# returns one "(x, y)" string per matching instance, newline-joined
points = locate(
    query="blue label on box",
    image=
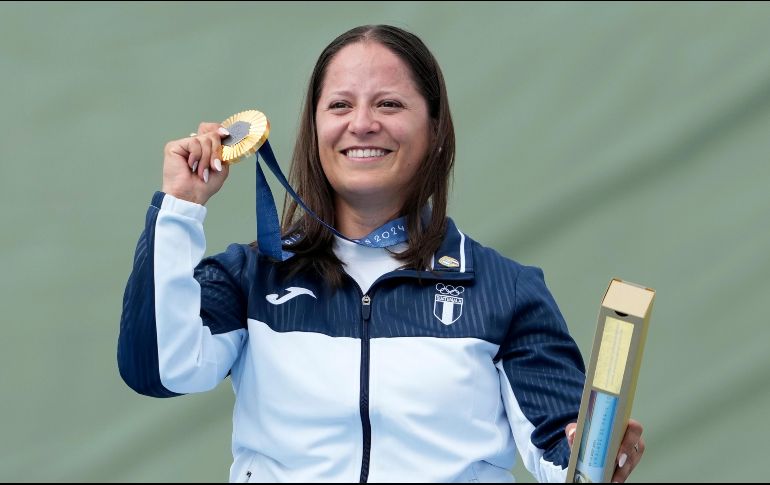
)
(596, 438)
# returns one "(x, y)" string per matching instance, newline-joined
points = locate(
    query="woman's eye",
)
(390, 104)
(338, 105)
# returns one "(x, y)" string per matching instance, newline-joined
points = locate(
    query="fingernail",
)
(223, 131)
(206, 180)
(195, 166)
(217, 165)
(571, 433)
(622, 460)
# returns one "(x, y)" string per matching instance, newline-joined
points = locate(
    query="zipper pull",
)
(366, 307)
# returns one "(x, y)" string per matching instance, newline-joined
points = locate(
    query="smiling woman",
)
(373, 133)
(394, 349)
(375, 88)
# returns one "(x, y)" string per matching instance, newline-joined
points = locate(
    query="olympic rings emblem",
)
(449, 289)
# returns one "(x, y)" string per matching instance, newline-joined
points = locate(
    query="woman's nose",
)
(363, 122)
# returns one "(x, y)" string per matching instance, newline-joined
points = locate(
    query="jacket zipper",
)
(363, 404)
(366, 312)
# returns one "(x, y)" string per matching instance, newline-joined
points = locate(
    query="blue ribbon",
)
(269, 230)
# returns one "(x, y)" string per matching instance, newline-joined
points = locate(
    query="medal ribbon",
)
(269, 231)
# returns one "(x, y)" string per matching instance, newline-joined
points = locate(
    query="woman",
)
(431, 359)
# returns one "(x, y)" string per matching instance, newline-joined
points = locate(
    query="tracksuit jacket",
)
(435, 376)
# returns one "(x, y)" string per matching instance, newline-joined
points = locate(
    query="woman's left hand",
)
(631, 449)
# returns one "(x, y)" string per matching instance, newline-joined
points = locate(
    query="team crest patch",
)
(448, 306)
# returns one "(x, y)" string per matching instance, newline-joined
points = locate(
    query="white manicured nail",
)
(622, 460)
(206, 180)
(217, 165)
(571, 433)
(195, 166)
(223, 131)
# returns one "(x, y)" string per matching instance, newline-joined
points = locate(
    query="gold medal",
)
(248, 131)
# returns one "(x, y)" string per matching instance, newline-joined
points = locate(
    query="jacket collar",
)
(455, 254)
(452, 262)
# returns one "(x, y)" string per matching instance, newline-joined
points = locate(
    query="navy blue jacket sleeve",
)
(222, 307)
(137, 341)
(545, 376)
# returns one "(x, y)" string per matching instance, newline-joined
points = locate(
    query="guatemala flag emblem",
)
(448, 306)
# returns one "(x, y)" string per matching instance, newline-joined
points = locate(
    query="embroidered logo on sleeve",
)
(291, 292)
(448, 306)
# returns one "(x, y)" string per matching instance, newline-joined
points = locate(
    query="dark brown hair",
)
(313, 248)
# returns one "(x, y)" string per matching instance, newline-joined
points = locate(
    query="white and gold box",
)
(610, 381)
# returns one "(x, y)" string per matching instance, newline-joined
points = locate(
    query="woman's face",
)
(373, 125)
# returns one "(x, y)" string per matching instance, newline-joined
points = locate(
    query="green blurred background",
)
(595, 140)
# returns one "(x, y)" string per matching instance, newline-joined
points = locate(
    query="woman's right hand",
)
(192, 166)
